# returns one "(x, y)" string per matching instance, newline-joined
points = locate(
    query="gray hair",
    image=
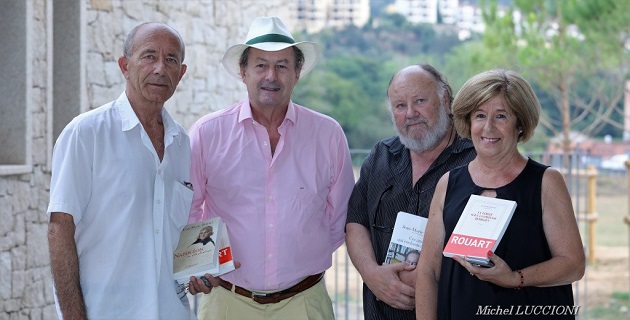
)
(443, 87)
(129, 39)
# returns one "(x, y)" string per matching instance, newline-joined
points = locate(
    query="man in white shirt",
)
(119, 196)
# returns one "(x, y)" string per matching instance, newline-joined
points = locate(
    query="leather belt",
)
(274, 297)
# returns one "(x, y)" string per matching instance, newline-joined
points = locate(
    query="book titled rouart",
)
(204, 247)
(407, 239)
(480, 228)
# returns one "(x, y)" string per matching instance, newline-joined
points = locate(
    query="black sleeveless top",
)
(462, 296)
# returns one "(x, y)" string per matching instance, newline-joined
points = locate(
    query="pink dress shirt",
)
(285, 213)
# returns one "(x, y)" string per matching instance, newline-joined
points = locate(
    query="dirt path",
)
(608, 275)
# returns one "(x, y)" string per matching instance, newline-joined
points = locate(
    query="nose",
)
(271, 74)
(411, 111)
(159, 66)
(489, 125)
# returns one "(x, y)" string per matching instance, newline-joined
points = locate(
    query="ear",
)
(297, 75)
(182, 71)
(242, 74)
(123, 65)
(446, 101)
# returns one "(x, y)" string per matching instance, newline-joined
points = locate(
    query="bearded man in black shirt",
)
(400, 174)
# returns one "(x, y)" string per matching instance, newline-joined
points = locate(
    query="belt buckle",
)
(259, 295)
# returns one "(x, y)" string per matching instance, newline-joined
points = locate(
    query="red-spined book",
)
(204, 247)
(480, 228)
(226, 261)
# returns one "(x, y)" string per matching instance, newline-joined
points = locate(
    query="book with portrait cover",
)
(204, 247)
(480, 228)
(407, 237)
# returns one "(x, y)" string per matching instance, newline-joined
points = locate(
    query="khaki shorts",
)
(311, 304)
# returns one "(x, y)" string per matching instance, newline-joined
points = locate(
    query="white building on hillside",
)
(448, 11)
(466, 17)
(418, 11)
(315, 15)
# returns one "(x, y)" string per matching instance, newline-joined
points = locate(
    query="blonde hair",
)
(515, 91)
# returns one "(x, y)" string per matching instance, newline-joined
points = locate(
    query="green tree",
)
(562, 51)
(351, 89)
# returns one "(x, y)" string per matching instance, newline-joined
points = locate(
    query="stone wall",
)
(208, 27)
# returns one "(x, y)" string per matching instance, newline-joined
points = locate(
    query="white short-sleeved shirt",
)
(128, 207)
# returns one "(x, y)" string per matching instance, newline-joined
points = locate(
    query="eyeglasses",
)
(415, 206)
(378, 211)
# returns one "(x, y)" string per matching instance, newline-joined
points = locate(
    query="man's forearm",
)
(359, 244)
(64, 264)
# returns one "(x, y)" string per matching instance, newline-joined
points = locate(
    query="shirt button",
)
(157, 231)
(265, 142)
(269, 197)
(269, 256)
(270, 226)
(158, 201)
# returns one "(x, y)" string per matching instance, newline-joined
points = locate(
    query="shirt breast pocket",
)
(181, 202)
(309, 203)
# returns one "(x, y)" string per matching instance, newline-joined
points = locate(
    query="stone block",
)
(33, 295)
(5, 275)
(49, 290)
(7, 218)
(96, 68)
(21, 195)
(113, 75)
(39, 11)
(100, 40)
(35, 313)
(39, 120)
(49, 312)
(18, 257)
(37, 240)
(138, 10)
(40, 72)
(12, 305)
(101, 5)
(18, 283)
(105, 94)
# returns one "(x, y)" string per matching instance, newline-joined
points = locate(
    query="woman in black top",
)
(540, 254)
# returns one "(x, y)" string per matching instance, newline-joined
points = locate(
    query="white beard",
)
(431, 139)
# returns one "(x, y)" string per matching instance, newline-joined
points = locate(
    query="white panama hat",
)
(269, 34)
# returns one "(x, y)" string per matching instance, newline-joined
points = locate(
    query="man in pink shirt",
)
(280, 176)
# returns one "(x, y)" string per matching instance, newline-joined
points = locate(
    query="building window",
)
(15, 88)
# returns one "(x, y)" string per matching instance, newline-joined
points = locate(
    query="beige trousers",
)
(311, 304)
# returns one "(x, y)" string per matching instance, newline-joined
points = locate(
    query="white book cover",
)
(197, 251)
(480, 227)
(407, 237)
